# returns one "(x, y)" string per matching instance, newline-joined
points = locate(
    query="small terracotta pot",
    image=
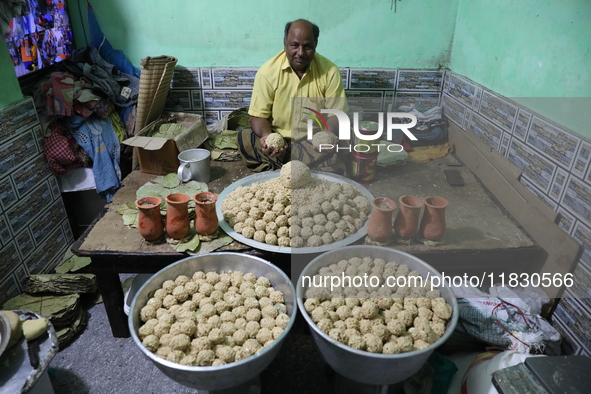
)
(406, 224)
(177, 215)
(433, 224)
(206, 219)
(379, 225)
(149, 221)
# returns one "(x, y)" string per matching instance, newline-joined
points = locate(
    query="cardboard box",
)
(160, 155)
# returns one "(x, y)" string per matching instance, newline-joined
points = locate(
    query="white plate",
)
(268, 175)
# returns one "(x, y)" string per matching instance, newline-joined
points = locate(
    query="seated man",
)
(280, 95)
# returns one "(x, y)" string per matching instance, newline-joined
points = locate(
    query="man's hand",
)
(269, 151)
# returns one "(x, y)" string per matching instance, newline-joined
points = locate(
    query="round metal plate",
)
(268, 175)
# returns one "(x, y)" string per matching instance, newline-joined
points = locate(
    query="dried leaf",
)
(170, 181)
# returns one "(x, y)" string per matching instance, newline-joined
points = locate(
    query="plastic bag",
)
(508, 318)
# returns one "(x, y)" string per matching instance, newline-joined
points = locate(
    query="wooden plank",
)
(563, 250)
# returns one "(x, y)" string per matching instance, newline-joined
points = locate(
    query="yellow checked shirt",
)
(279, 95)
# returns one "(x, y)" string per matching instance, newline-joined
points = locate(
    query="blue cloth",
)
(98, 139)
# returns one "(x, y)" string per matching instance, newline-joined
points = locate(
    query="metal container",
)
(362, 366)
(228, 375)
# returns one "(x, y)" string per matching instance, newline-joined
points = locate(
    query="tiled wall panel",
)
(214, 92)
(555, 165)
(34, 228)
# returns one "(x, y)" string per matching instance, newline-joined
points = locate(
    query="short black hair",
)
(315, 29)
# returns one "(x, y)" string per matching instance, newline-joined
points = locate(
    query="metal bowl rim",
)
(430, 348)
(216, 368)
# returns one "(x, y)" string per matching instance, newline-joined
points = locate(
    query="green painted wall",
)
(246, 33)
(537, 52)
(10, 90)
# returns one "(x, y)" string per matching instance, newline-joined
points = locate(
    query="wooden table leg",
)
(112, 292)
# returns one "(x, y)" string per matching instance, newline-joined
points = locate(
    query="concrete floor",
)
(96, 362)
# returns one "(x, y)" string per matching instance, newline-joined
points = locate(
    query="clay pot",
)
(379, 225)
(177, 215)
(432, 226)
(406, 224)
(149, 221)
(206, 219)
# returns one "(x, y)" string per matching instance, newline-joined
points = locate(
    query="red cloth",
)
(62, 153)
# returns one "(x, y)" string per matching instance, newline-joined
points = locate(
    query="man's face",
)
(300, 46)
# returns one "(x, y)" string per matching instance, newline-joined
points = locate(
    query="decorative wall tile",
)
(178, 101)
(55, 187)
(25, 243)
(566, 220)
(498, 110)
(48, 254)
(581, 164)
(67, 230)
(581, 289)
(521, 126)
(28, 176)
(577, 199)
(420, 80)
(8, 194)
(17, 151)
(569, 345)
(196, 100)
(186, 77)
(5, 236)
(369, 101)
(15, 119)
(477, 98)
(582, 234)
(233, 78)
(558, 184)
(218, 99)
(29, 207)
(206, 82)
(211, 116)
(345, 77)
(461, 90)
(538, 193)
(372, 79)
(41, 228)
(21, 275)
(39, 137)
(570, 312)
(487, 132)
(505, 143)
(10, 289)
(553, 142)
(9, 259)
(467, 119)
(425, 99)
(533, 166)
(453, 110)
(389, 99)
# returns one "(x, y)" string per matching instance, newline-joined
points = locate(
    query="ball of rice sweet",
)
(295, 174)
(321, 138)
(275, 141)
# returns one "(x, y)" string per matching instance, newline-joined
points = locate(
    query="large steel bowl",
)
(228, 375)
(362, 366)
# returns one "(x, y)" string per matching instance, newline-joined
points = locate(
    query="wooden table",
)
(480, 235)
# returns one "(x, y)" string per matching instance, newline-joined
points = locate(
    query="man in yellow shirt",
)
(296, 79)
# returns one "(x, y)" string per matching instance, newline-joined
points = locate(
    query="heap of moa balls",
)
(296, 209)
